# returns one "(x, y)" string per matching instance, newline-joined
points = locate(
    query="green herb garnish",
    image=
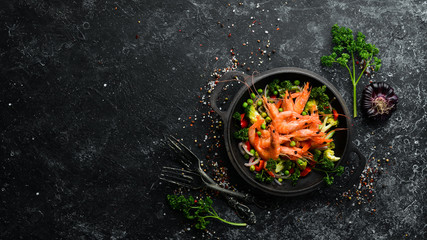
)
(327, 166)
(198, 210)
(242, 134)
(263, 177)
(347, 47)
(318, 93)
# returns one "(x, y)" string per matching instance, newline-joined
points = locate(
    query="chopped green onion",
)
(296, 82)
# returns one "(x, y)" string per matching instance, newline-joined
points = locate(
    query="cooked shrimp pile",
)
(290, 133)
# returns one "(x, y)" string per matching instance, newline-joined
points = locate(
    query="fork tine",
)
(176, 175)
(177, 147)
(181, 171)
(178, 183)
(184, 149)
(179, 176)
(182, 158)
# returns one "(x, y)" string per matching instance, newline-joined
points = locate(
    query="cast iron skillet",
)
(342, 138)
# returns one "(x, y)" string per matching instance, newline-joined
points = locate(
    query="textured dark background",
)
(88, 88)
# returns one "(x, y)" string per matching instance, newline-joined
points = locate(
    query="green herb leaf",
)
(197, 210)
(242, 134)
(346, 47)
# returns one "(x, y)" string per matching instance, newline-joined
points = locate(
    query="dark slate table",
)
(89, 88)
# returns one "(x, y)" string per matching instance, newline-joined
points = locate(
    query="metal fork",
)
(186, 155)
(190, 179)
(191, 161)
(182, 177)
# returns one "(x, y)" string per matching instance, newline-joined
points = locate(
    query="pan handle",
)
(356, 173)
(217, 90)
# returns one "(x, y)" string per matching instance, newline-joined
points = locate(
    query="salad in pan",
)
(286, 131)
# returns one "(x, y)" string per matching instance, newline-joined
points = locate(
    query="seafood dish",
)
(286, 131)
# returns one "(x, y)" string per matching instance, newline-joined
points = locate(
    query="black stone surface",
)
(88, 88)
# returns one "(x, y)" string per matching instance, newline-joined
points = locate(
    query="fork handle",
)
(245, 197)
(243, 211)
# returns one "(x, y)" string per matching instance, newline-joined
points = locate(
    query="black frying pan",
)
(342, 139)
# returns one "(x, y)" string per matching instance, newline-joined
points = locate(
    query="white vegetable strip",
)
(277, 181)
(252, 162)
(242, 146)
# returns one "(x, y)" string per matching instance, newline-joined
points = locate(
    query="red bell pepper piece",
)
(270, 173)
(273, 96)
(305, 171)
(291, 171)
(335, 113)
(248, 145)
(260, 166)
(243, 121)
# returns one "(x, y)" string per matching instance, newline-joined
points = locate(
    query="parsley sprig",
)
(328, 167)
(198, 210)
(347, 47)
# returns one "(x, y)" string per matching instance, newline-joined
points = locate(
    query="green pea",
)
(263, 114)
(245, 104)
(253, 95)
(259, 103)
(289, 167)
(304, 113)
(286, 172)
(296, 82)
(252, 168)
(292, 144)
(260, 90)
(275, 92)
(252, 151)
(256, 154)
(247, 156)
(250, 101)
(263, 126)
(259, 133)
(268, 119)
(280, 180)
(280, 109)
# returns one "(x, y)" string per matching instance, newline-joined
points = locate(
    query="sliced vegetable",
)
(243, 121)
(335, 114)
(379, 101)
(305, 172)
(260, 166)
